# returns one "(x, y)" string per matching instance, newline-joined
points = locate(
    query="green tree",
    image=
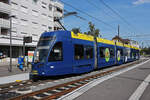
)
(92, 31)
(97, 32)
(92, 28)
(145, 51)
(85, 33)
(76, 30)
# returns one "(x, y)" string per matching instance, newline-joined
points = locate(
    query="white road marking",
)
(74, 94)
(140, 90)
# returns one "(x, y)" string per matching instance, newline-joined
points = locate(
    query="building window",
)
(24, 9)
(4, 31)
(78, 52)
(50, 7)
(35, 1)
(44, 5)
(44, 27)
(88, 52)
(35, 35)
(35, 13)
(44, 15)
(23, 33)
(14, 20)
(14, 5)
(35, 25)
(50, 18)
(24, 22)
(5, 1)
(14, 33)
(56, 53)
(14, 28)
(50, 28)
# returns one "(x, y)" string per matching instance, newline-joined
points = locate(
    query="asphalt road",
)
(128, 85)
(120, 87)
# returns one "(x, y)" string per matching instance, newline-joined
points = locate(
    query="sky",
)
(133, 18)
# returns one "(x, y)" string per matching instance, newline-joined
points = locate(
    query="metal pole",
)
(10, 67)
(118, 30)
(95, 50)
(23, 48)
(23, 51)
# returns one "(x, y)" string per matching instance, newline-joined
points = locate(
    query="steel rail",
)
(22, 84)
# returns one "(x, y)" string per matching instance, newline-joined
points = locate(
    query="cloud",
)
(138, 2)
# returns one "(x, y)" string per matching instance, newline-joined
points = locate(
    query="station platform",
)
(15, 74)
(131, 83)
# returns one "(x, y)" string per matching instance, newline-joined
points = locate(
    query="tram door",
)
(83, 58)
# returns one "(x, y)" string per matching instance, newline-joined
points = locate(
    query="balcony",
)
(58, 10)
(5, 8)
(57, 3)
(4, 23)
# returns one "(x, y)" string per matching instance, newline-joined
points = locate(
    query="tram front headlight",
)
(37, 55)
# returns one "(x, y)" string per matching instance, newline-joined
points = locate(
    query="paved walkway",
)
(16, 74)
(132, 83)
(13, 78)
(4, 65)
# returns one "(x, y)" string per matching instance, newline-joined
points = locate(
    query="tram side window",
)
(89, 52)
(112, 54)
(121, 52)
(134, 54)
(56, 53)
(78, 52)
(102, 52)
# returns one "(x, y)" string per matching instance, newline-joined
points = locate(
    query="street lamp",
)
(10, 49)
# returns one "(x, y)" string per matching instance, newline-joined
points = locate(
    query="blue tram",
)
(64, 52)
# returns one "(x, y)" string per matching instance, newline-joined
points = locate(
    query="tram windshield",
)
(42, 49)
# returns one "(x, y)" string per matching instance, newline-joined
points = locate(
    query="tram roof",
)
(81, 36)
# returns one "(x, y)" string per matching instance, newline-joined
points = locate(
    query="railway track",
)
(21, 84)
(59, 90)
(14, 85)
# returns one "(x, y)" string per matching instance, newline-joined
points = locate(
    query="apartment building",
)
(32, 17)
